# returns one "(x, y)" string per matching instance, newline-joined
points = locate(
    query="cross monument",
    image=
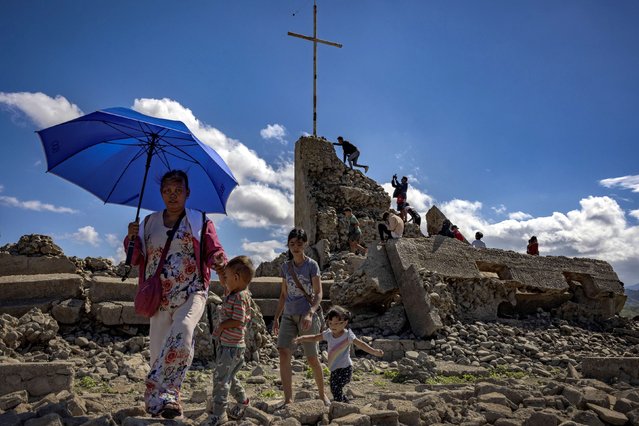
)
(315, 40)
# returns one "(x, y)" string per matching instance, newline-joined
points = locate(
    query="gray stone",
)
(381, 417)
(609, 368)
(306, 411)
(407, 412)
(492, 412)
(262, 417)
(68, 311)
(353, 419)
(36, 378)
(30, 265)
(49, 420)
(542, 418)
(607, 415)
(13, 399)
(341, 409)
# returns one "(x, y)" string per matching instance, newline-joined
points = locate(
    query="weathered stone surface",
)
(44, 286)
(37, 378)
(34, 245)
(373, 284)
(608, 416)
(29, 265)
(353, 420)
(307, 412)
(493, 412)
(68, 311)
(407, 412)
(13, 399)
(109, 289)
(381, 417)
(434, 220)
(609, 368)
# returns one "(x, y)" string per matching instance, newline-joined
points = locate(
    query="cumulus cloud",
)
(265, 194)
(417, 199)
(113, 240)
(625, 182)
(499, 210)
(263, 251)
(87, 234)
(274, 131)
(634, 213)
(519, 216)
(42, 109)
(34, 205)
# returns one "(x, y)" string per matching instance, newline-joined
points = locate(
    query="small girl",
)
(339, 340)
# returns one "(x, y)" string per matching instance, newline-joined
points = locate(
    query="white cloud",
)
(34, 205)
(263, 251)
(634, 213)
(417, 199)
(499, 210)
(87, 234)
(264, 197)
(1, 188)
(625, 182)
(274, 131)
(257, 205)
(42, 109)
(37, 163)
(113, 240)
(519, 216)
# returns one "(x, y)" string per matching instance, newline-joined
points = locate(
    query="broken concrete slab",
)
(32, 265)
(611, 368)
(37, 378)
(51, 286)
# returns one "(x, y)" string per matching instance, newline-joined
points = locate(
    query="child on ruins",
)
(233, 318)
(339, 340)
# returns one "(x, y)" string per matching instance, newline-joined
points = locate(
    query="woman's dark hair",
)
(296, 233)
(175, 176)
(532, 239)
(338, 312)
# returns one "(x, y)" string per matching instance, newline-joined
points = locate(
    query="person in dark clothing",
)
(351, 153)
(446, 231)
(400, 188)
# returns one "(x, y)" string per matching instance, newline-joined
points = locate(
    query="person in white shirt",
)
(478, 243)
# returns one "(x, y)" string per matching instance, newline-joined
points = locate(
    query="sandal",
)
(237, 412)
(171, 410)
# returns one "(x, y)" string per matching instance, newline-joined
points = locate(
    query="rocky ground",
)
(509, 372)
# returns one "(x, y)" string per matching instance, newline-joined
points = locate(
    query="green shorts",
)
(355, 237)
(290, 328)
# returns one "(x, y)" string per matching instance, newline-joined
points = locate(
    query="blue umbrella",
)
(111, 152)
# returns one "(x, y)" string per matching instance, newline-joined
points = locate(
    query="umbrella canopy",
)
(111, 152)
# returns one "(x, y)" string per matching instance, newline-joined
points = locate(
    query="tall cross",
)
(315, 40)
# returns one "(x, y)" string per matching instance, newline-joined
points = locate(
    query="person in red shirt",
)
(533, 246)
(458, 234)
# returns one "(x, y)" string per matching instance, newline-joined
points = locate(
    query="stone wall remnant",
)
(324, 186)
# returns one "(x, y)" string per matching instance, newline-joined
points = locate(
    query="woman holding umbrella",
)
(184, 287)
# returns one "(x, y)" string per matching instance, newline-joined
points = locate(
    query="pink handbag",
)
(149, 293)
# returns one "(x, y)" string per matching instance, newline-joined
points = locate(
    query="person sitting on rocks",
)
(458, 235)
(339, 338)
(351, 153)
(533, 246)
(393, 227)
(478, 243)
(354, 232)
(300, 297)
(445, 231)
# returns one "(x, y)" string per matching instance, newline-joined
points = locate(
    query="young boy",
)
(234, 315)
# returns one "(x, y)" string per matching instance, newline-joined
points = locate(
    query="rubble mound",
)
(34, 245)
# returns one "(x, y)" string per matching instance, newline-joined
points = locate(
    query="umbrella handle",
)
(129, 256)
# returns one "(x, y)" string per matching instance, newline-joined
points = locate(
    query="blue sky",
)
(515, 118)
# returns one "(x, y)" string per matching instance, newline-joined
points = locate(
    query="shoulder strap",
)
(202, 247)
(299, 285)
(168, 243)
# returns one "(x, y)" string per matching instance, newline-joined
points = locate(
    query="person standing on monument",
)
(299, 303)
(533, 246)
(354, 232)
(351, 153)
